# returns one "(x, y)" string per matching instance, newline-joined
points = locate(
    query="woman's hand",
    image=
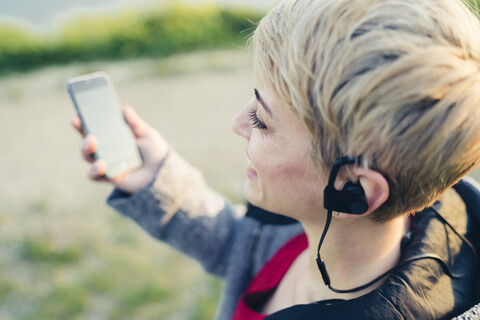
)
(153, 149)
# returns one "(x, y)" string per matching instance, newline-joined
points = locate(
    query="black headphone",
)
(351, 199)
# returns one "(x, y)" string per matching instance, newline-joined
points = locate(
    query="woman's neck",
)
(355, 252)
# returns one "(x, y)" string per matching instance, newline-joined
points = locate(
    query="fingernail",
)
(94, 168)
(85, 144)
(100, 169)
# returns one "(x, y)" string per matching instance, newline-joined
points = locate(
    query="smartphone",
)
(98, 106)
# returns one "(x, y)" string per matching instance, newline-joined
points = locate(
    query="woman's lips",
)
(251, 173)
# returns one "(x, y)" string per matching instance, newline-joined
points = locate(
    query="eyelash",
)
(256, 123)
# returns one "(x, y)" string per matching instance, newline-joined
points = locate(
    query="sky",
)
(45, 14)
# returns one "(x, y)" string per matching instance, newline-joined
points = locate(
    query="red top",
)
(266, 281)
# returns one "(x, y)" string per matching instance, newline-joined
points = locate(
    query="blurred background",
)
(184, 67)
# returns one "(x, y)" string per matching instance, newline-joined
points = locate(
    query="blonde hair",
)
(396, 82)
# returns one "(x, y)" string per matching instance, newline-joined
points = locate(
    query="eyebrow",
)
(262, 102)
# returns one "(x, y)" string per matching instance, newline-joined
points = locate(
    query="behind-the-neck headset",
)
(351, 199)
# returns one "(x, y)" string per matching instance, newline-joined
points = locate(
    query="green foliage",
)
(130, 34)
(43, 250)
(66, 302)
(19, 48)
(473, 3)
(133, 299)
(6, 287)
(206, 305)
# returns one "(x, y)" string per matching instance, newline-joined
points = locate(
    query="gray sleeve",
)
(180, 209)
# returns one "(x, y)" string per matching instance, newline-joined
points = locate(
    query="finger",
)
(139, 127)
(88, 147)
(97, 171)
(77, 124)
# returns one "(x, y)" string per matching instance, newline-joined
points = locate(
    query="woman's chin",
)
(253, 193)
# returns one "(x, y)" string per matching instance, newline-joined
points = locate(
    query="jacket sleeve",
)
(179, 208)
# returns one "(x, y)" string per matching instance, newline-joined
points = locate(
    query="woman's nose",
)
(241, 122)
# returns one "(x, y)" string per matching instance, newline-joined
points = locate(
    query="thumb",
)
(136, 123)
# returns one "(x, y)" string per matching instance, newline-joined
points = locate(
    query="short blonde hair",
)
(396, 82)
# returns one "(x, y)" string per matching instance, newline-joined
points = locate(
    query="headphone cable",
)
(326, 278)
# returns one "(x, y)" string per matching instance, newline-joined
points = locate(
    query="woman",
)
(373, 101)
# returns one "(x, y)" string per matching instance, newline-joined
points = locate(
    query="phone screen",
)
(101, 115)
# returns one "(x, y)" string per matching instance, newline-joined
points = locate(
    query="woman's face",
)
(281, 176)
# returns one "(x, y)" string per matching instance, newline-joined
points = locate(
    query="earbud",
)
(351, 199)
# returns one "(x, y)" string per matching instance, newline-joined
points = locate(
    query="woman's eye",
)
(256, 123)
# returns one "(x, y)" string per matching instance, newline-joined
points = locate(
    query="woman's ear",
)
(375, 187)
